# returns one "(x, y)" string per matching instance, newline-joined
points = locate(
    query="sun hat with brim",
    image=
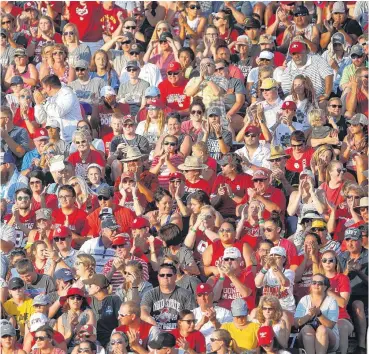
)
(276, 152)
(71, 292)
(239, 308)
(230, 159)
(363, 203)
(192, 163)
(132, 153)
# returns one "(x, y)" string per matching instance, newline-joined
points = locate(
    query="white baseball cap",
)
(232, 252)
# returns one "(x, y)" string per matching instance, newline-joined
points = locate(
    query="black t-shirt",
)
(349, 26)
(342, 127)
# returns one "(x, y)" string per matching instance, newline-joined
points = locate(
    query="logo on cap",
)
(294, 45)
(58, 229)
(263, 334)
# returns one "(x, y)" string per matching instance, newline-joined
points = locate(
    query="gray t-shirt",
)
(213, 143)
(82, 52)
(185, 255)
(88, 92)
(43, 285)
(132, 94)
(189, 283)
(140, 141)
(7, 57)
(164, 308)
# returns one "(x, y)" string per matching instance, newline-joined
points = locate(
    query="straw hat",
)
(192, 163)
(277, 152)
(132, 153)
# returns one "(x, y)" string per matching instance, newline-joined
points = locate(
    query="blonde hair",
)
(82, 134)
(61, 47)
(155, 36)
(84, 187)
(274, 302)
(75, 30)
(52, 31)
(201, 146)
(321, 269)
(315, 117)
(161, 122)
(88, 261)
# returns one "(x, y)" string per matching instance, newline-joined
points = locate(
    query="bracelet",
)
(232, 196)
(221, 278)
(193, 229)
(219, 138)
(135, 198)
(263, 271)
(134, 287)
(261, 221)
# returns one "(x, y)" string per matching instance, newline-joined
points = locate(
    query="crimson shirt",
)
(201, 184)
(340, 283)
(20, 122)
(29, 221)
(76, 220)
(109, 21)
(294, 165)
(81, 166)
(143, 332)
(174, 96)
(105, 115)
(195, 339)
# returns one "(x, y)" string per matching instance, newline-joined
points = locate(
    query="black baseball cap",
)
(165, 35)
(163, 340)
(15, 283)
(251, 22)
(301, 10)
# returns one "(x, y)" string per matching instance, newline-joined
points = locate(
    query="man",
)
(354, 261)
(327, 244)
(19, 305)
(86, 89)
(233, 281)
(69, 215)
(36, 284)
(172, 89)
(209, 316)
(61, 105)
(101, 247)
(312, 66)
(32, 159)
(13, 139)
(11, 179)
(116, 125)
(166, 341)
(149, 72)
(105, 307)
(22, 218)
(61, 171)
(161, 305)
(62, 238)
(132, 91)
(252, 30)
(272, 103)
(139, 332)
(254, 153)
(122, 215)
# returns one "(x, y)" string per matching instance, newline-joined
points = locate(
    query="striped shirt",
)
(316, 68)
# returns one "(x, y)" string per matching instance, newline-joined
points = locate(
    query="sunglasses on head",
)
(193, 7)
(171, 73)
(102, 197)
(328, 260)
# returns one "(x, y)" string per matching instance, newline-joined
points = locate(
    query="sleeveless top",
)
(65, 76)
(26, 75)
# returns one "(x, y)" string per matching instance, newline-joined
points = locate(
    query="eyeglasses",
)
(226, 230)
(353, 197)
(130, 27)
(81, 142)
(70, 33)
(41, 338)
(335, 105)
(269, 229)
(259, 180)
(6, 22)
(219, 69)
(26, 97)
(171, 144)
(58, 53)
(188, 321)
(269, 89)
(328, 260)
(268, 308)
(193, 7)
(128, 125)
(318, 229)
(117, 341)
(317, 282)
(34, 182)
(102, 197)
(165, 275)
(171, 73)
(25, 198)
(197, 112)
(114, 247)
(80, 69)
(76, 297)
(132, 70)
(341, 170)
(59, 239)
(355, 56)
(65, 197)
(296, 146)
(175, 181)
(229, 259)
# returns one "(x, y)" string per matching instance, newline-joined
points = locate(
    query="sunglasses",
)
(217, 18)
(279, 159)
(3, 36)
(6, 22)
(171, 144)
(118, 341)
(26, 97)
(264, 59)
(134, 53)
(171, 73)
(123, 314)
(268, 308)
(219, 69)
(41, 338)
(70, 33)
(76, 297)
(85, 335)
(128, 125)
(328, 260)
(161, 42)
(335, 105)
(251, 135)
(175, 181)
(317, 282)
(295, 146)
(300, 15)
(114, 247)
(318, 229)
(34, 182)
(83, 350)
(130, 27)
(81, 142)
(165, 275)
(355, 56)
(58, 53)
(364, 76)
(193, 7)
(102, 197)
(229, 259)
(259, 180)
(269, 89)
(80, 69)
(341, 170)
(188, 321)
(20, 198)
(132, 70)
(226, 230)
(197, 112)
(59, 239)
(269, 229)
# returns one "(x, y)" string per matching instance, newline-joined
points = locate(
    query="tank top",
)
(218, 251)
(25, 75)
(333, 195)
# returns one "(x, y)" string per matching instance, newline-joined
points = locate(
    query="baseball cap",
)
(40, 134)
(243, 40)
(357, 119)
(152, 91)
(7, 329)
(43, 213)
(174, 66)
(319, 223)
(140, 223)
(289, 105)
(30, 5)
(239, 308)
(266, 54)
(338, 37)
(163, 340)
(91, 165)
(301, 10)
(64, 274)
(52, 123)
(90, 329)
(15, 283)
(109, 223)
(155, 102)
(353, 233)
(104, 191)
(251, 22)
(278, 250)
(253, 129)
(21, 52)
(41, 300)
(297, 47)
(307, 172)
(357, 49)
(232, 252)
(81, 64)
(265, 335)
(260, 174)
(97, 279)
(176, 175)
(6, 157)
(137, 48)
(132, 64)
(214, 111)
(203, 288)
(122, 239)
(266, 39)
(165, 35)
(62, 232)
(106, 91)
(37, 320)
(363, 203)
(16, 80)
(128, 117)
(268, 83)
(338, 7)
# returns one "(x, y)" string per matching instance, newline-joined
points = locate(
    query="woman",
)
(44, 340)
(165, 213)
(46, 55)
(303, 94)
(23, 68)
(76, 313)
(24, 116)
(317, 315)
(264, 72)
(186, 57)
(154, 124)
(188, 338)
(340, 290)
(191, 24)
(134, 286)
(268, 342)
(45, 33)
(84, 154)
(223, 23)
(8, 340)
(100, 67)
(6, 51)
(95, 179)
(355, 142)
(118, 343)
(193, 126)
(76, 49)
(59, 65)
(85, 200)
(167, 161)
(84, 267)
(37, 184)
(174, 128)
(44, 227)
(221, 342)
(269, 313)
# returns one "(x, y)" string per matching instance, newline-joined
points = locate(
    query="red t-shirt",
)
(294, 165)
(218, 251)
(109, 21)
(230, 292)
(81, 166)
(200, 185)
(334, 196)
(279, 59)
(107, 141)
(201, 243)
(230, 37)
(105, 115)
(251, 235)
(195, 339)
(174, 96)
(19, 121)
(76, 220)
(340, 283)
(51, 202)
(87, 17)
(143, 332)
(57, 6)
(236, 73)
(16, 10)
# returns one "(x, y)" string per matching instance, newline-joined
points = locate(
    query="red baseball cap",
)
(289, 105)
(253, 129)
(174, 66)
(203, 288)
(127, 175)
(90, 329)
(297, 47)
(62, 232)
(156, 102)
(74, 291)
(260, 174)
(40, 134)
(121, 239)
(176, 175)
(265, 335)
(140, 223)
(30, 5)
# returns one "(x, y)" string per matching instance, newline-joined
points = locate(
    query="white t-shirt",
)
(282, 134)
(152, 134)
(303, 108)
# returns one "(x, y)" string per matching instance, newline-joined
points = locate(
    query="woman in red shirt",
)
(222, 21)
(300, 153)
(188, 339)
(340, 290)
